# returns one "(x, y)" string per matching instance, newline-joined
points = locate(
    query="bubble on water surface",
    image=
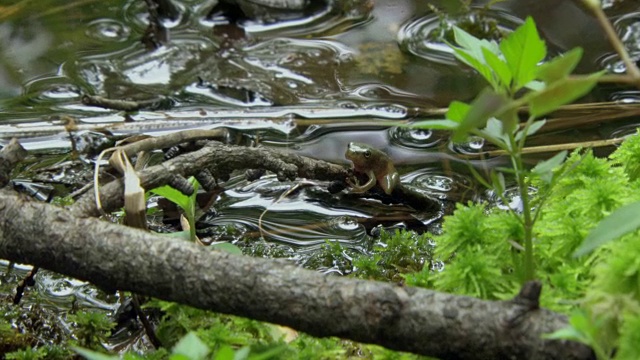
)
(108, 30)
(473, 145)
(417, 138)
(443, 185)
(61, 92)
(346, 223)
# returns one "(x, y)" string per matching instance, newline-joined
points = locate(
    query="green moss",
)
(628, 156)
(395, 254)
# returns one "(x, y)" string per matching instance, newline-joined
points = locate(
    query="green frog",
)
(376, 164)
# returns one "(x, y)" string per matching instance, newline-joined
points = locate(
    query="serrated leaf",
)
(561, 92)
(457, 111)
(560, 67)
(499, 67)
(471, 52)
(488, 104)
(479, 65)
(435, 124)
(624, 220)
(523, 49)
(532, 129)
(191, 346)
(544, 169)
(494, 128)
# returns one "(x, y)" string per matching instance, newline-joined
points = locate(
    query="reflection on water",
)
(308, 84)
(426, 36)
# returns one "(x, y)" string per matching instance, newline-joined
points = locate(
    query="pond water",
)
(309, 85)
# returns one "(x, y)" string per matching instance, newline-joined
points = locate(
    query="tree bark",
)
(401, 318)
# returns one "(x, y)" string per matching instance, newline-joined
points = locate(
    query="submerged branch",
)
(402, 318)
(220, 160)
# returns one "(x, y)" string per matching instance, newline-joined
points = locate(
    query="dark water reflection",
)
(310, 85)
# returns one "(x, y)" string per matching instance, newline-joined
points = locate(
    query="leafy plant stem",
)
(523, 187)
(191, 218)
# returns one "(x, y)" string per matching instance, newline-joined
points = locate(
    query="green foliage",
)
(621, 222)
(516, 80)
(625, 219)
(332, 255)
(476, 243)
(473, 275)
(628, 348)
(190, 347)
(26, 354)
(396, 253)
(186, 202)
(583, 329)
(628, 156)
(621, 273)
(92, 327)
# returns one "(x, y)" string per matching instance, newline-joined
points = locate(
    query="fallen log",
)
(410, 319)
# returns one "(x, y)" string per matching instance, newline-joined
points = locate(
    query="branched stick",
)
(220, 160)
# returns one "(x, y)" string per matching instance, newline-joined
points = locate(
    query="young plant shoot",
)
(518, 78)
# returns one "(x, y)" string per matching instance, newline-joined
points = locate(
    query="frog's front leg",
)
(357, 188)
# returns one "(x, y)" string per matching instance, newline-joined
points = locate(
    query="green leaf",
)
(560, 67)
(494, 128)
(227, 247)
(510, 120)
(457, 111)
(499, 67)
(268, 353)
(535, 85)
(173, 195)
(580, 329)
(561, 92)
(435, 124)
(93, 355)
(224, 353)
(471, 52)
(242, 353)
(532, 129)
(469, 59)
(191, 346)
(488, 104)
(523, 49)
(495, 131)
(544, 169)
(473, 45)
(568, 333)
(179, 357)
(624, 220)
(182, 235)
(497, 182)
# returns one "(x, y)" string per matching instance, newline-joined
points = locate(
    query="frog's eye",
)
(367, 153)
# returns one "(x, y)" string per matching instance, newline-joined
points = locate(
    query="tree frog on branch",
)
(375, 164)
